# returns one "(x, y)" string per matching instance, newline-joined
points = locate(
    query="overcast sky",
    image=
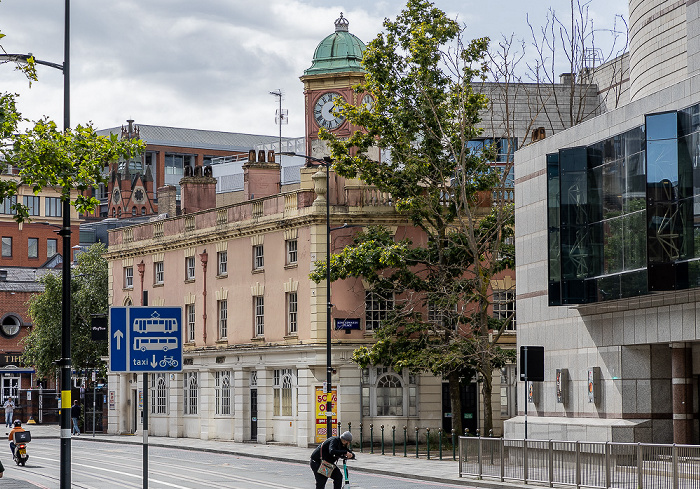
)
(210, 64)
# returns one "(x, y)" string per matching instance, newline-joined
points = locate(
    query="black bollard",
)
(361, 444)
(440, 442)
(454, 450)
(427, 439)
(371, 438)
(393, 440)
(416, 441)
(382, 439)
(405, 441)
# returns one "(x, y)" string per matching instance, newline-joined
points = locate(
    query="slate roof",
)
(197, 138)
(24, 279)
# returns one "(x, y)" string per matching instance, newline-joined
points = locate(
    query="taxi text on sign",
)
(145, 339)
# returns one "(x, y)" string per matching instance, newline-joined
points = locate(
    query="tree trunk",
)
(455, 403)
(487, 391)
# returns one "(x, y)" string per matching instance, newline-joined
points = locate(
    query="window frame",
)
(292, 310)
(191, 320)
(258, 257)
(222, 263)
(158, 273)
(223, 393)
(222, 318)
(284, 388)
(292, 251)
(190, 268)
(259, 316)
(503, 308)
(370, 379)
(159, 393)
(6, 247)
(53, 207)
(128, 277)
(375, 315)
(55, 247)
(191, 393)
(36, 247)
(33, 204)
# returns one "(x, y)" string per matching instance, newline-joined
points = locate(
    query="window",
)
(10, 387)
(158, 272)
(259, 312)
(386, 393)
(222, 306)
(32, 202)
(6, 246)
(134, 211)
(6, 206)
(128, 277)
(441, 318)
(222, 384)
(52, 207)
(189, 268)
(159, 394)
(189, 311)
(283, 392)
(291, 251)
(258, 258)
(51, 247)
(33, 247)
(377, 307)
(504, 307)
(292, 312)
(191, 392)
(10, 326)
(222, 262)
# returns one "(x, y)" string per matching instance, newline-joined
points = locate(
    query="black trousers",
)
(337, 477)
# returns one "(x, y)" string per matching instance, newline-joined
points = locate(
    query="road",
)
(109, 465)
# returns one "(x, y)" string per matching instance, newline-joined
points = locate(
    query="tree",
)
(89, 289)
(425, 111)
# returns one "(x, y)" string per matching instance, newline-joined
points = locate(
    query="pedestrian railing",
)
(581, 464)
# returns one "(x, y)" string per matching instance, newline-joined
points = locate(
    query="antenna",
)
(280, 118)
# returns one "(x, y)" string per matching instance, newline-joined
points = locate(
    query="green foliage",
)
(420, 74)
(89, 291)
(66, 160)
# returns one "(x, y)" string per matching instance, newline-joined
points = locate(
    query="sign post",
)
(322, 415)
(145, 340)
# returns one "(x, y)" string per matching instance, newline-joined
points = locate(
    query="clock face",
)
(116, 196)
(368, 101)
(323, 111)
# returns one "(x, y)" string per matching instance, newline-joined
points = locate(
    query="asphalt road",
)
(110, 465)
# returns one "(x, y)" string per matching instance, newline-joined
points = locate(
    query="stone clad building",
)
(615, 300)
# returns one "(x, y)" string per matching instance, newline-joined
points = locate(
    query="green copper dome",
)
(341, 51)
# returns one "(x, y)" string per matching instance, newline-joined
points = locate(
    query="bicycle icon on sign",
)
(168, 362)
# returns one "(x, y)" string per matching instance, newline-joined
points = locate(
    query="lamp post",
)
(326, 161)
(65, 232)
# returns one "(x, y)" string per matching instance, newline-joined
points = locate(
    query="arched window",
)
(119, 212)
(222, 383)
(133, 211)
(283, 386)
(10, 326)
(387, 393)
(114, 212)
(143, 211)
(191, 392)
(389, 396)
(159, 394)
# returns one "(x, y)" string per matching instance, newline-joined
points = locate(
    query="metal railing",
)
(581, 464)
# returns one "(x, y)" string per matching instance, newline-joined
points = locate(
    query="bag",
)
(326, 469)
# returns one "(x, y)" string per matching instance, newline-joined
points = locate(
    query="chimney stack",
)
(261, 178)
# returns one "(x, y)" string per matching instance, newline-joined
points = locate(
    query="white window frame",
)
(222, 313)
(158, 272)
(128, 277)
(374, 389)
(159, 393)
(258, 257)
(377, 307)
(10, 387)
(292, 303)
(222, 263)
(284, 388)
(189, 268)
(292, 248)
(224, 392)
(191, 391)
(191, 318)
(259, 315)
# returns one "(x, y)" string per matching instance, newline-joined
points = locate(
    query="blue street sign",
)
(145, 339)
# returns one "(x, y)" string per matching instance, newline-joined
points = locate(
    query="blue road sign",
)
(145, 339)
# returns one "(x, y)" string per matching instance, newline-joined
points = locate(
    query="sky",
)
(210, 64)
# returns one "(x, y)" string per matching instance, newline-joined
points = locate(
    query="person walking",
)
(330, 451)
(75, 416)
(9, 406)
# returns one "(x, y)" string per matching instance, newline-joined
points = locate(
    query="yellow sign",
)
(321, 420)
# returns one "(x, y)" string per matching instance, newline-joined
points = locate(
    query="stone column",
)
(206, 403)
(682, 393)
(241, 401)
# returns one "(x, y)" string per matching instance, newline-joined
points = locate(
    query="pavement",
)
(434, 470)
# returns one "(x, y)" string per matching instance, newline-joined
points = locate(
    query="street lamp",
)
(325, 161)
(65, 232)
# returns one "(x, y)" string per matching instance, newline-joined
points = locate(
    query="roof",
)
(197, 138)
(24, 279)
(338, 52)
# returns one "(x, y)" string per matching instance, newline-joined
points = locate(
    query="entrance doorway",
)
(254, 414)
(470, 407)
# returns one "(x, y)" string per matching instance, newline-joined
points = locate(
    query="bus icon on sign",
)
(155, 343)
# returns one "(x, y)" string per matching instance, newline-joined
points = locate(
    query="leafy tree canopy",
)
(89, 289)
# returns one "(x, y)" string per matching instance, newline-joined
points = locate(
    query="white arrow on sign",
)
(153, 362)
(119, 335)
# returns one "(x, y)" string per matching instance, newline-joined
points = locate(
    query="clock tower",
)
(334, 71)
